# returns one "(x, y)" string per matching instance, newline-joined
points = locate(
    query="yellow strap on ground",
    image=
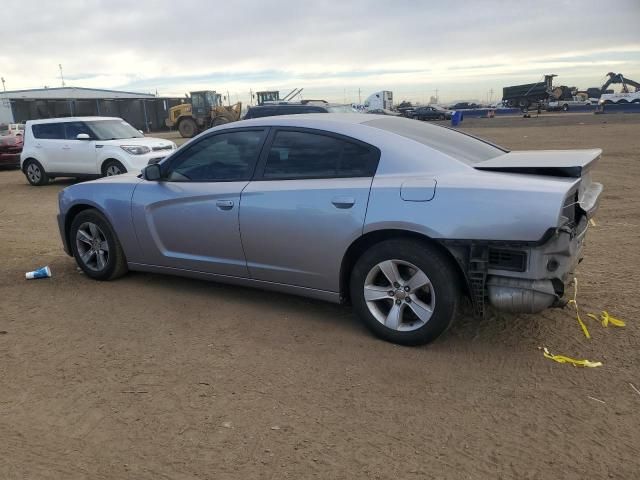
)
(572, 361)
(607, 319)
(592, 222)
(574, 302)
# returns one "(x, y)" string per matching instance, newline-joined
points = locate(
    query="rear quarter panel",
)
(472, 205)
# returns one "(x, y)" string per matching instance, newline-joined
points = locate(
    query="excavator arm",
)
(615, 78)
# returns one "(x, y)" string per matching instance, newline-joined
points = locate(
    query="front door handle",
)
(343, 201)
(66, 147)
(225, 204)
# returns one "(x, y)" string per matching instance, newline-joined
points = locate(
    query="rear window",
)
(299, 155)
(49, 131)
(458, 145)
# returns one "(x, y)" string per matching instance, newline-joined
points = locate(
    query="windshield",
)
(113, 130)
(4, 129)
(459, 145)
(340, 109)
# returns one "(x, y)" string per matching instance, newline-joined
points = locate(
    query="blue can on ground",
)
(456, 118)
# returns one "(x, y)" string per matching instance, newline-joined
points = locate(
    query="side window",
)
(297, 155)
(223, 157)
(48, 131)
(73, 129)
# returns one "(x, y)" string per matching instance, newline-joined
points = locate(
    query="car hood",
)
(130, 178)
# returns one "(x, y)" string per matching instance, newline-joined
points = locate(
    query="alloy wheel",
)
(399, 295)
(34, 173)
(113, 170)
(92, 246)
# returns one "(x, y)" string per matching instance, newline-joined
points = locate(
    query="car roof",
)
(71, 119)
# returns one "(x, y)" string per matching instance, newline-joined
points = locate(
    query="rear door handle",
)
(343, 201)
(225, 204)
(66, 147)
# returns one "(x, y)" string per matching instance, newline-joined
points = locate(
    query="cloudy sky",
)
(332, 49)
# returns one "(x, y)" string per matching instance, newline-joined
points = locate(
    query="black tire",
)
(637, 100)
(35, 173)
(442, 276)
(442, 117)
(188, 128)
(112, 167)
(565, 108)
(115, 264)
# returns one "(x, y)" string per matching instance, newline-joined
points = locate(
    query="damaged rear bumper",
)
(550, 270)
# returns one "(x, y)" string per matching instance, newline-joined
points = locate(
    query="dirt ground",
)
(156, 377)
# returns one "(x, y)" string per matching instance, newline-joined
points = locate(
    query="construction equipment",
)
(203, 110)
(615, 78)
(625, 95)
(524, 96)
(273, 96)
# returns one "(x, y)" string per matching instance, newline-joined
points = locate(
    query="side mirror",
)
(152, 173)
(83, 136)
(141, 132)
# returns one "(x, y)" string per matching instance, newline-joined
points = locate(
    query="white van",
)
(86, 147)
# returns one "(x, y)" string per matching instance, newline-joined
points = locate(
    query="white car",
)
(86, 147)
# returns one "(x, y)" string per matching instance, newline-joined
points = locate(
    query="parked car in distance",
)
(430, 112)
(397, 217)
(86, 147)
(464, 106)
(383, 111)
(11, 128)
(565, 105)
(11, 141)
(272, 109)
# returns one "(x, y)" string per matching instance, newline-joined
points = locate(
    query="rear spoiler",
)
(553, 163)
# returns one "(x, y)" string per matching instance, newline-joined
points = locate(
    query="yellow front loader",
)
(205, 110)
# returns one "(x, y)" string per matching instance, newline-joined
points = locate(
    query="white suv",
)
(86, 147)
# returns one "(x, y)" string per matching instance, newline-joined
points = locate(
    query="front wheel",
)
(405, 291)
(35, 173)
(113, 167)
(188, 128)
(95, 246)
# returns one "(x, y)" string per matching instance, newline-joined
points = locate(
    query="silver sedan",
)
(400, 218)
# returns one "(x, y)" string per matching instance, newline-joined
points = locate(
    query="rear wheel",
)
(188, 128)
(95, 246)
(35, 173)
(113, 167)
(565, 108)
(405, 291)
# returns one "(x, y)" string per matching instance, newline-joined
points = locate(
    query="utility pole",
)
(61, 76)
(3, 87)
(437, 101)
(359, 98)
(490, 95)
(228, 98)
(250, 97)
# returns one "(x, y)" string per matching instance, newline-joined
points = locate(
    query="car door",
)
(305, 206)
(189, 219)
(78, 156)
(48, 139)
